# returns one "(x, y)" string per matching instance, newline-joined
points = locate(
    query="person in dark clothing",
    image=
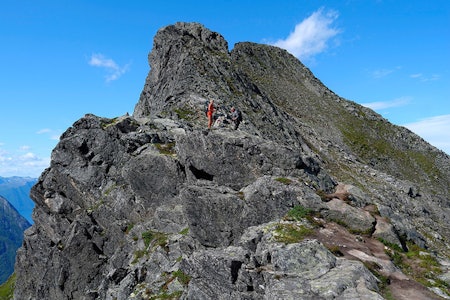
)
(236, 117)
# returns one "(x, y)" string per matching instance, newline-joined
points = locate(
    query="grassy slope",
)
(7, 289)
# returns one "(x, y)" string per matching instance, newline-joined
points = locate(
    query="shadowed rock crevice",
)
(200, 174)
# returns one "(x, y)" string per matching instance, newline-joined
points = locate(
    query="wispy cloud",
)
(435, 130)
(380, 105)
(311, 36)
(42, 131)
(380, 73)
(114, 71)
(424, 78)
(53, 134)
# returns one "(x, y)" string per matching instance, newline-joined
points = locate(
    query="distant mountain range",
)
(12, 226)
(17, 191)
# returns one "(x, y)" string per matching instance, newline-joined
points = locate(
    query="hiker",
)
(210, 113)
(236, 117)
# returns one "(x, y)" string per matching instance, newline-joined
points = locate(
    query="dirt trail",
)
(372, 252)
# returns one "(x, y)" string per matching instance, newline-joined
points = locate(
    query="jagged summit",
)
(281, 100)
(314, 197)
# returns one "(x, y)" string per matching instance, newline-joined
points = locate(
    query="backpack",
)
(206, 108)
(239, 115)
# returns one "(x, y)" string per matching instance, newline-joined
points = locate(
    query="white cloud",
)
(424, 78)
(310, 36)
(45, 130)
(22, 164)
(435, 130)
(380, 105)
(380, 73)
(418, 75)
(53, 134)
(113, 69)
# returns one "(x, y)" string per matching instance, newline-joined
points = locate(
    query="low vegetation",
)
(7, 288)
(166, 149)
(185, 113)
(290, 233)
(419, 264)
(153, 239)
(284, 180)
(293, 229)
(298, 213)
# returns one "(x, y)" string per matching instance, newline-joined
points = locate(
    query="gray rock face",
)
(154, 205)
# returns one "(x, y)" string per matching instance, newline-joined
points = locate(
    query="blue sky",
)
(62, 59)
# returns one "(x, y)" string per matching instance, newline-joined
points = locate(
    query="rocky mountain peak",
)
(182, 55)
(313, 197)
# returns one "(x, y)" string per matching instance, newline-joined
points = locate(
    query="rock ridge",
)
(293, 205)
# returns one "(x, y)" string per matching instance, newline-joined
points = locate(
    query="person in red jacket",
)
(210, 113)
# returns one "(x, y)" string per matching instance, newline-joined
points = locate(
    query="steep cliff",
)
(314, 197)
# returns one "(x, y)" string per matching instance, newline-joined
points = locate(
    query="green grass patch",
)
(290, 233)
(182, 277)
(421, 265)
(284, 180)
(7, 288)
(298, 213)
(185, 231)
(372, 140)
(155, 239)
(185, 113)
(391, 245)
